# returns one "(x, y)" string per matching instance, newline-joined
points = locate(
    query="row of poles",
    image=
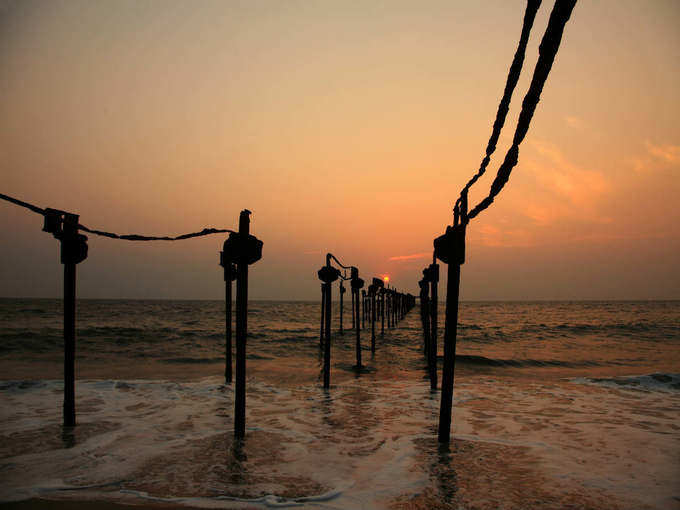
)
(377, 303)
(240, 250)
(428, 316)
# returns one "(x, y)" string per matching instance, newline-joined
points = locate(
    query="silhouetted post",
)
(363, 308)
(243, 249)
(323, 311)
(327, 340)
(382, 312)
(327, 274)
(425, 313)
(433, 277)
(342, 293)
(229, 277)
(357, 283)
(64, 227)
(371, 293)
(450, 249)
(393, 305)
(354, 325)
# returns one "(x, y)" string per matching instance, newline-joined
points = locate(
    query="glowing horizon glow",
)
(175, 117)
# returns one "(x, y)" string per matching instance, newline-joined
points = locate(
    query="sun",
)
(386, 279)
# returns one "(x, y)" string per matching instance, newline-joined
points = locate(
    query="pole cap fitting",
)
(239, 248)
(450, 247)
(328, 274)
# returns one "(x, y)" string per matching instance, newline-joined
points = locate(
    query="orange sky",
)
(347, 127)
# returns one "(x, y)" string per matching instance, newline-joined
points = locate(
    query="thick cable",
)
(331, 256)
(112, 235)
(547, 51)
(511, 83)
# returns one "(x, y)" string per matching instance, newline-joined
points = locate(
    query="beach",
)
(556, 405)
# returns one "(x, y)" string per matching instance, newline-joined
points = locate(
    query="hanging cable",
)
(511, 83)
(546, 55)
(125, 237)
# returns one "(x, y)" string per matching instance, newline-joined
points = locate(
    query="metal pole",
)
(450, 330)
(342, 292)
(70, 255)
(354, 324)
(323, 310)
(382, 312)
(241, 329)
(373, 321)
(432, 353)
(69, 344)
(327, 339)
(358, 332)
(227, 319)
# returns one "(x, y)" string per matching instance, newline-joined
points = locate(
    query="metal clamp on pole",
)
(243, 249)
(64, 226)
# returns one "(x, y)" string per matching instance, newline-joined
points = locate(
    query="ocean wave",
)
(648, 382)
(192, 360)
(471, 359)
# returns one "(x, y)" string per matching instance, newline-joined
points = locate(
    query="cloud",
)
(488, 235)
(574, 122)
(411, 257)
(655, 158)
(570, 189)
(666, 153)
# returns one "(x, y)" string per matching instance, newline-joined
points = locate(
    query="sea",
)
(556, 405)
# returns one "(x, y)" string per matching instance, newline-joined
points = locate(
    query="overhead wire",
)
(547, 50)
(112, 235)
(511, 83)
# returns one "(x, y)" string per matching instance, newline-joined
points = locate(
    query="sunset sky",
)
(345, 126)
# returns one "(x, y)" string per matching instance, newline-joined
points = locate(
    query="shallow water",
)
(556, 405)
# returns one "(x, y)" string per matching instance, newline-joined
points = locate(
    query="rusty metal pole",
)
(227, 321)
(327, 340)
(244, 249)
(342, 292)
(358, 331)
(64, 227)
(356, 284)
(382, 312)
(323, 310)
(432, 358)
(450, 249)
(70, 233)
(353, 311)
(327, 274)
(372, 297)
(229, 275)
(241, 329)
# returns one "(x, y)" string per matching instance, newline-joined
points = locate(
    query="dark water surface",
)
(564, 404)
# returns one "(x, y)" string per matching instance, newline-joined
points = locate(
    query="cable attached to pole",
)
(112, 235)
